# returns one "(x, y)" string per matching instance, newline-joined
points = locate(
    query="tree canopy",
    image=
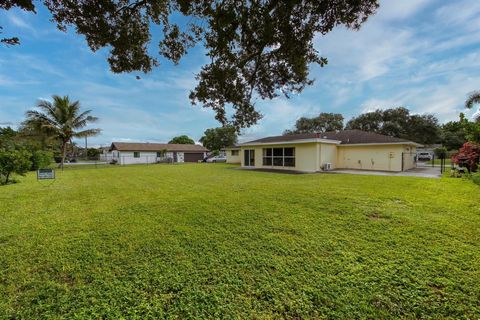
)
(453, 135)
(322, 123)
(13, 161)
(256, 49)
(183, 139)
(219, 138)
(398, 122)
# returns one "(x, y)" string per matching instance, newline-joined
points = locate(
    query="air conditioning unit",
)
(327, 166)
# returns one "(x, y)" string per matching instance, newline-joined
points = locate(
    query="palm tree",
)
(473, 99)
(62, 120)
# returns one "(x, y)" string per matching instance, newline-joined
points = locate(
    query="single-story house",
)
(312, 152)
(136, 153)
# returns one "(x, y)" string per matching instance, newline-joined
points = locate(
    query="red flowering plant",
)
(468, 156)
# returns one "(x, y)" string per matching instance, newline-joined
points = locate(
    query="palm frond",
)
(87, 133)
(40, 118)
(60, 118)
(41, 123)
(473, 98)
(48, 108)
(82, 119)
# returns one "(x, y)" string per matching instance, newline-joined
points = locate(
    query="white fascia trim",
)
(291, 142)
(381, 144)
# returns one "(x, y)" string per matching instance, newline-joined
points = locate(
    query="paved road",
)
(85, 162)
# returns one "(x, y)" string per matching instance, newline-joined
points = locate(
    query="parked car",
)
(219, 158)
(424, 156)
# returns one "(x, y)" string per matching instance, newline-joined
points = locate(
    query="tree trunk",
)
(6, 177)
(64, 151)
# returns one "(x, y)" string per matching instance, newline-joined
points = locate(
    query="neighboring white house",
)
(137, 153)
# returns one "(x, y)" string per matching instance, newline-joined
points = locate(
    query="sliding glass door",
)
(249, 158)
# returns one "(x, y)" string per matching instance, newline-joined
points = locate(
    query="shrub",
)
(468, 156)
(40, 159)
(13, 161)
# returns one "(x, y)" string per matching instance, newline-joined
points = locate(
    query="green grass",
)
(209, 241)
(438, 161)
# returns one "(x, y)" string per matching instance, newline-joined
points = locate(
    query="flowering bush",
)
(468, 156)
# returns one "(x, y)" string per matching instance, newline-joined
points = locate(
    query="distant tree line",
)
(396, 122)
(20, 152)
(183, 139)
(214, 139)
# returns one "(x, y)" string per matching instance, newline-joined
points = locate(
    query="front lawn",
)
(210, 241)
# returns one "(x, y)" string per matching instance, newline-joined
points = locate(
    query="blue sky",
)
(421, 54)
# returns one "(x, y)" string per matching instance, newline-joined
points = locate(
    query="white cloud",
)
(279, 114)
(17, 21)
(445, 100)
(460, 13)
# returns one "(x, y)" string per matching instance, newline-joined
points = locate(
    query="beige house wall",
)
(328, 154)
(231, 158)
(409, 156)
(375, 157)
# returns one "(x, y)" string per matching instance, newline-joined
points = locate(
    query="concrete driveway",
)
(422, 172)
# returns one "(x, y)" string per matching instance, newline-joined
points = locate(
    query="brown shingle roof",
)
(345, 136)
(127, 146)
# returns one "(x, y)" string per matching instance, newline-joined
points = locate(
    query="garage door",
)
(193, 157)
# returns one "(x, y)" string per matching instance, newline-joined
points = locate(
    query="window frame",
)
(136, 154)
(271, 157)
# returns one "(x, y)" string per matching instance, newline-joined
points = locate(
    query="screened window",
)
(279, 157)
(136, 154)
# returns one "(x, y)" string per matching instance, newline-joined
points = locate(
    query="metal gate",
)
(410, 161)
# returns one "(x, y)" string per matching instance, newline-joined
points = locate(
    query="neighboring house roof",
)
(127, 146)
(346, 137)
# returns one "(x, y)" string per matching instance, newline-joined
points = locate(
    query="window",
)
(136, 154)
(235, 153)
(279, 157)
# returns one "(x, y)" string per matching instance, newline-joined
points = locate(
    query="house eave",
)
(408, 143)
(251, 144)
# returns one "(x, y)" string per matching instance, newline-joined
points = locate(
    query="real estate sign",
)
(43, 174)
